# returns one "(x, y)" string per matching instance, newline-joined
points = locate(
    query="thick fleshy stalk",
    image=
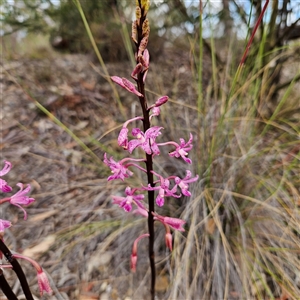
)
(142, 39)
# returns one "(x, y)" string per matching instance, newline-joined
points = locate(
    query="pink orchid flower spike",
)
(133, 258)
(20, 198)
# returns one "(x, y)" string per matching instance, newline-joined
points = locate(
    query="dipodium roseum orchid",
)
(182, 149)
(20, 198)
(163, 190)
(145, 140)
(184, 183)
(120, 169)
(126, 202)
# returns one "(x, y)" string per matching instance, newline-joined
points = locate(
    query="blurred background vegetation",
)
(242, 239)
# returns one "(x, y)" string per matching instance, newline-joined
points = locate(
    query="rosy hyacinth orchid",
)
(182, 149)
(163, 190)
(184, 183)
(20, 198)
(120, 169)
(145, 140)
(126, 202)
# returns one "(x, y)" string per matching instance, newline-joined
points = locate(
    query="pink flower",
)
(43, 281)
(159, 102)
(123, 138)
(126, 202)
(172, 222)
(137, 70)
(145, 140)
(123, 135)
(20, 198)
(163, 190)
(155, 112)
(133, 259)
(4, 187)
(126, 84)
(182, 149)
(6, 168)
(4, 224)
(117, 168)
(183, 183)
(141, 211)
(120, 169)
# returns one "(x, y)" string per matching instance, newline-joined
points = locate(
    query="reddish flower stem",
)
(149, 165)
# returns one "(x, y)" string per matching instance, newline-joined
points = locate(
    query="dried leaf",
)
(40, 248)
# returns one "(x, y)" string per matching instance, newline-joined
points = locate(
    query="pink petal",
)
(4, 224)
(118, 80)
(6, 168)
(43, 283)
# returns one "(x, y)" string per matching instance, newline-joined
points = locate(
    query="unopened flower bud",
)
(134, 31)
(133, 258)
(168, 238)
(123, 138)
(146, 28)
(143, 45)
(145, 6)
(41, 275)
(162, 100)
(138, 69)
(138, 14)
(133, 261)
